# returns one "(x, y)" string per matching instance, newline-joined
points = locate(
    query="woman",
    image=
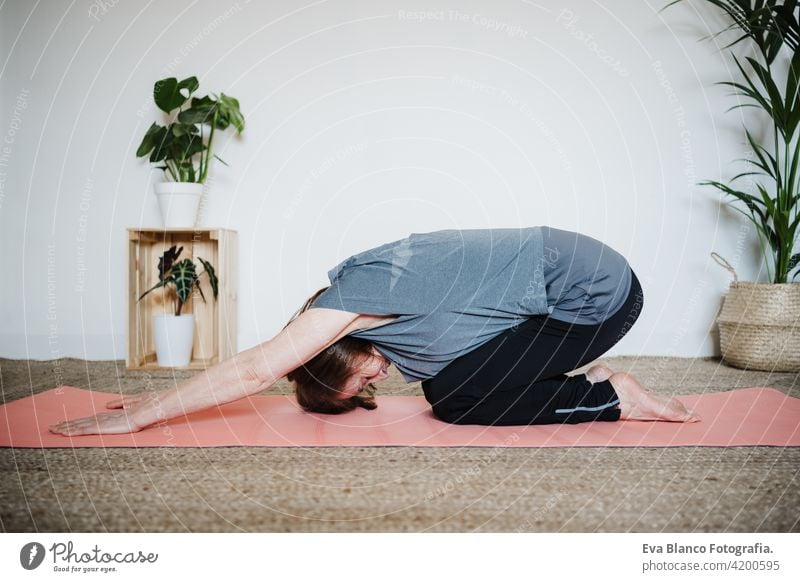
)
(489, 320)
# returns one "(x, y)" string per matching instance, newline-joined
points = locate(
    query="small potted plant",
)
(174, 334)
(183, 148)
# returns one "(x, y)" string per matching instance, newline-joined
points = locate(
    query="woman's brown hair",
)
(318, 382)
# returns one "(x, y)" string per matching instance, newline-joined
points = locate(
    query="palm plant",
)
(183, 276)
(773, 27)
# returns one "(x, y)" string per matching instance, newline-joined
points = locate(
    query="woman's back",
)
(586, 280)
(450, 290)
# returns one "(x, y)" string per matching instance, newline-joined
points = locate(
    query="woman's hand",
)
(244, 374)
(117, 422)
(102, 423)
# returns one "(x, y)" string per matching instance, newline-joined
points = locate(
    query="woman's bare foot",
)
(598, 373)
(636, 403)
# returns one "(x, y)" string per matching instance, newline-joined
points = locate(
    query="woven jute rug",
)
(749, 489)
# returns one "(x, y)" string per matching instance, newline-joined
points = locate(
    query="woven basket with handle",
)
(759, 324)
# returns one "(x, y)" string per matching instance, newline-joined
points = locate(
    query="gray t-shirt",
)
(454, 290)
(586, 281)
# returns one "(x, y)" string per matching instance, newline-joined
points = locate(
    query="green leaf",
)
(786, 21)
(793, 262)
(150, 140)
(773, 93)
(181, 129)
(751, 90)
(221, 121)
(191, 145)
(169, 94)
(768, 201)
(792, 95)
(767, 23)
(185, 275)
(200, 111)
(795, 223)
(161, 283)
(229, 109)
(790, 182)
(750, 201)
(212, 276)
(793, 80)
(166, 261)
(763, 155)
(162, 142)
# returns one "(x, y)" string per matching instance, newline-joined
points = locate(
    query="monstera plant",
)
(183, 148)
(174, 334)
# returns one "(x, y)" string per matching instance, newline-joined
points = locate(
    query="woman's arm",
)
(246, 373)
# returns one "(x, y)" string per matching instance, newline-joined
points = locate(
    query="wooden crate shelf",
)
(215, 321)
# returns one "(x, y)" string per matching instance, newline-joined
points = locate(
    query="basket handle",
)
(722, 262)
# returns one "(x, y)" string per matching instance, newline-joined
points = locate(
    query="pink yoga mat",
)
(749, 416)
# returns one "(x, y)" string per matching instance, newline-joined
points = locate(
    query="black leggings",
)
(518, 377)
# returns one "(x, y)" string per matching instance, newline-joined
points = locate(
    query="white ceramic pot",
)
(178, 202)
(173, 336)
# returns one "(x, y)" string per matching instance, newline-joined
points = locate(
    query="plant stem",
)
(778, 187)
(200, 167)
(204, 168)
(764, 252)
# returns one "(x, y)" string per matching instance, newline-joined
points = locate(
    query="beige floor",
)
(751, 489)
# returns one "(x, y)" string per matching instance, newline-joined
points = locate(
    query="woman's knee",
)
(447, 413)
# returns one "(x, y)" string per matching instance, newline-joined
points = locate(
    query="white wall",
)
(366, 121)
